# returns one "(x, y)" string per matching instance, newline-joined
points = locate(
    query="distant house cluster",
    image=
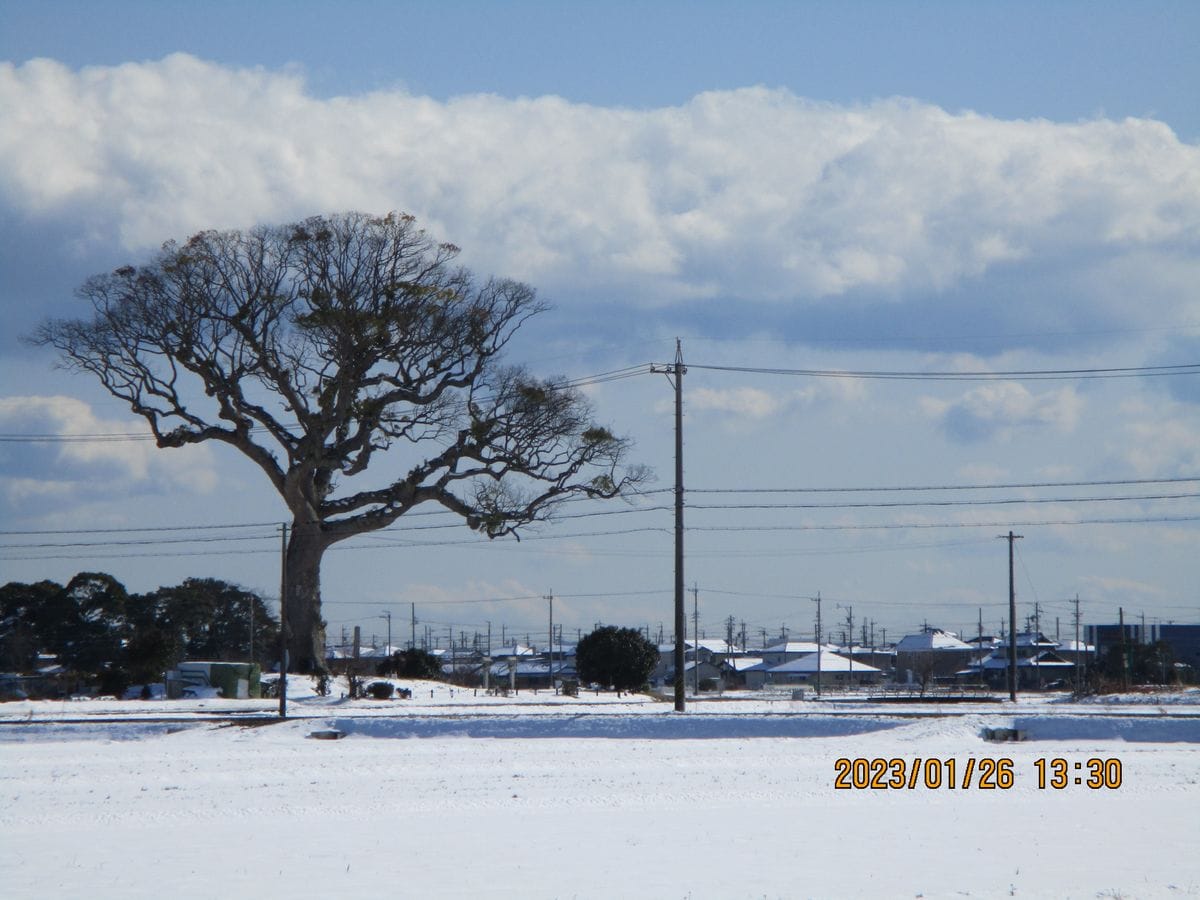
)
(930, 658)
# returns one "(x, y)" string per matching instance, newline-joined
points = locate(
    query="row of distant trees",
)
(105, 637)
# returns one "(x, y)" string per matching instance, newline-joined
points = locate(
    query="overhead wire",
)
(1016, 374)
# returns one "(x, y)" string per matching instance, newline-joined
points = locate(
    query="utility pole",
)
(550, 638)
(850, 650)
(695, 639)
(388, 615)
(675, 375)
(283, 625)
(817, 600)
(1078, 654)
(413, 617)
(1124, 651)
(1012, 620)
(979, 646)
(1037, 642)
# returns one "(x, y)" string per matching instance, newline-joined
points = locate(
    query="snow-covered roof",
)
(934, 639)
(501, 670)
(1029, 639)
(513, 650)
(797, 647)
(742, 663)
(1044, 660)
(709, 644)
(829, 662)
(1073, 646)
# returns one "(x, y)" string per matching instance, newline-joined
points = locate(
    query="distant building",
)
(1038, 663)
(1184, 640)
(931, 654)
(832, 668)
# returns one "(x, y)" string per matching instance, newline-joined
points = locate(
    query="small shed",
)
(235, 680)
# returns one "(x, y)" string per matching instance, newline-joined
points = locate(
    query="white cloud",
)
(757, 404)
(1161, 446)
(999, 409)
(751, 193)
(1118, 589)
(750, 403)
(93, 465)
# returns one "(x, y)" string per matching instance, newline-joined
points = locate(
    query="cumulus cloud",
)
(750, 403)
(750, 193)
(999, 409)
(1161, 446)
(757, 404)
(73, 467)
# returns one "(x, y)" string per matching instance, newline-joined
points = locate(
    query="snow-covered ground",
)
(537, 796)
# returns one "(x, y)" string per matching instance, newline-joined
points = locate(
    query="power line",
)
(1021, 374)
(947, 487)
(908, 504)
(896, 526)
(783, 490)
(723, 529)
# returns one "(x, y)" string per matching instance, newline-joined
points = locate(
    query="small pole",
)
(695, 639)
(675, 375)
(550, 640)
(817, 600)
(1012, 621)
(388, 615)
(283, 628)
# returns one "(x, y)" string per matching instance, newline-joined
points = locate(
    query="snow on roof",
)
(513, 650)
(501, 669)
(1029, 639)
(797, 647)
(742, 663)
(829, 662)
(1043, 660)
(934, 639)
(1073, 646)
(709, 644)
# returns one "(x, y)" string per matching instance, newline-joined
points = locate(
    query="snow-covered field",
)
(538, 796)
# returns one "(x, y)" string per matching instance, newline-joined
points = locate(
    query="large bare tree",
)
(320, 344)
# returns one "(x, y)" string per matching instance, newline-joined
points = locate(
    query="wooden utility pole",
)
(695, 639)
(1012, 620)
(1079, 657)
(550, 639)
(817, 600)
(283, 628)
(675, 375)
(850, 650)
(1124, 651)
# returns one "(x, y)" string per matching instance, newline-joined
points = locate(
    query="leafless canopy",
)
(320, 344)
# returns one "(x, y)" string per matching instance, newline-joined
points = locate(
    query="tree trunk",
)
(305, 627)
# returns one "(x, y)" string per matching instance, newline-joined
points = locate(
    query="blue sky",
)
(855, 187)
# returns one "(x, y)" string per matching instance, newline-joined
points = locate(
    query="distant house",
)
(709, 653)
(833, 668)
(933, 653)
(734, 669)
(1038, 663)
(785, 651)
